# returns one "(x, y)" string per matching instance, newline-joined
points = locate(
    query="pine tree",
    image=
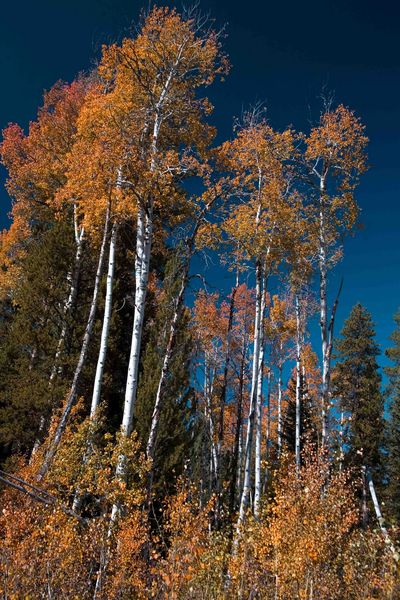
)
(29, 337)
(357, 385)
(393, 424)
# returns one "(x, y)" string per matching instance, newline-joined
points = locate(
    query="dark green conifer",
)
(29, 337)
(357, 386)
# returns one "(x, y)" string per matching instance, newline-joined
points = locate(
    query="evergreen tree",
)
(357, 385)
(393, 424)
(29, 337)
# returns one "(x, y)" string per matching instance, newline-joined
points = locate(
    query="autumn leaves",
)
(110, 156)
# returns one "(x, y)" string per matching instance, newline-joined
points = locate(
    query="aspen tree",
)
(257, 159)
(153, 80)
(94, 182)
(334, 160)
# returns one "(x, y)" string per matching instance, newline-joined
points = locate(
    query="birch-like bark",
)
(258, 419)
(106, 324)
(267, 432)
(298, 385)
(239, 478)
(280, 369)
(102, 350)
(142, 267)
(208, 389)
(244, 501)
(81, 361)
(322, 262)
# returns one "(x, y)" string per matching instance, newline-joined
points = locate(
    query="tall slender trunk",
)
(142, 267)
(144, 237)
(239, 474)
(244, 501)
(106, 323)
(222, 401)
(298, 386)
(280, 369)
(258, 419)
(237, 459)
(150, 448)
(208, 389)
(53, 446)
(267, 432)
(322, 262)
(102, 350)
(259, 406)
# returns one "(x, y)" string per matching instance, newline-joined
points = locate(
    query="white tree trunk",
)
(145, 232)
(106, 324)
(52, 449)
(259, 411)
(239, 471)
(144, 237)
(322, 262)
(280, 368)
(208, 389)
(244, 501)
(142, 266)
(379, 515)
(298, 386)
(267, 432)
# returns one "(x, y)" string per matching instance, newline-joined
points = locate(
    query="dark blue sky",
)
(282, 53)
